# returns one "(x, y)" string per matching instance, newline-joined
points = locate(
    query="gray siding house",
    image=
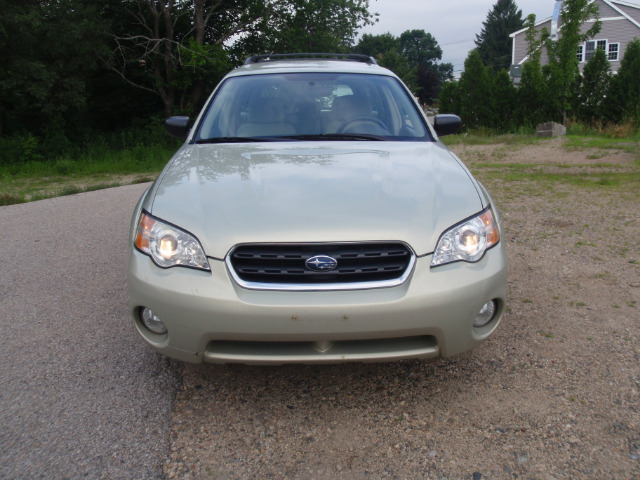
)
(620, 25)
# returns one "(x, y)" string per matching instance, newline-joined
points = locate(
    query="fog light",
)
(486, 314)
(153, 322)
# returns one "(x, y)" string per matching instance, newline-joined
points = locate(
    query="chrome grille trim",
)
(336, 286)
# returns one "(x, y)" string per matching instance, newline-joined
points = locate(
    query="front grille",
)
(285, 264)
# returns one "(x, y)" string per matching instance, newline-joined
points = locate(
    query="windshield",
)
(307, 106)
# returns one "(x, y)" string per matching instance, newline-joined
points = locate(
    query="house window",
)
(613, 52)
(591, 49)
(588, 49)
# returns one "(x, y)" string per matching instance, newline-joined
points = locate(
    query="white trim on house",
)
(626, 4)
(513, 35)
(616, 51)
(601, 43)
(622, 12)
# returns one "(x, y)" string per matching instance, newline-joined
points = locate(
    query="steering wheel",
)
(363, 119)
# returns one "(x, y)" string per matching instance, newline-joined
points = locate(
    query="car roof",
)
(310, 65)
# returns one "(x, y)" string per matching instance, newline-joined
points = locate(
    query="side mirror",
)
(447, 124)
(178, 126)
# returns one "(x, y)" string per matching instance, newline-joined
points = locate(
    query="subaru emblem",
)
(321, 263)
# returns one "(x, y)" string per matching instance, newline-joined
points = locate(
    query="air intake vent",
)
(327, 266)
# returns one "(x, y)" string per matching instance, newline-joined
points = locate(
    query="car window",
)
(296, 105)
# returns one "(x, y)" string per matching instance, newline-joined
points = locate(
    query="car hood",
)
(314, 192)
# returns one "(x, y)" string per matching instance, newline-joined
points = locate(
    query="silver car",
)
(313, 216)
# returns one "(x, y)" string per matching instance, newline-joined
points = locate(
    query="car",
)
(313, 216)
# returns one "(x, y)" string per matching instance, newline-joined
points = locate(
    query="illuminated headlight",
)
(468, 241)
(169, 246)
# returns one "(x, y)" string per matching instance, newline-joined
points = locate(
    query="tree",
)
(532, 91)
(318, 26)
(47, 52)
(419, 48)
(376, 45)
(475, 90)
(623, 98)
(449, 99)
(563, 62)
(592, 91)
(493, 42)
(414, 56)
(168, 43)
(423, 55)
(504, 102)
(394, 61)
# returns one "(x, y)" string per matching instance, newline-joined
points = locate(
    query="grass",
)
(96, 169)
(585, 176)
(485, 139)
(630, 144)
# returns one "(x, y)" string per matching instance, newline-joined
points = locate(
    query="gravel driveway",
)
(553, 394)
(80, 396)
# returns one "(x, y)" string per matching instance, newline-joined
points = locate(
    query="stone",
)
(551, 129)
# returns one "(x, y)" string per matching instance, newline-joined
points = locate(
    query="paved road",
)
(80, 395)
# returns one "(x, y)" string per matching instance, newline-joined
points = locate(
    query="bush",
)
(19, 149)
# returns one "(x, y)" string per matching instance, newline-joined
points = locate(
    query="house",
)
(620, 25)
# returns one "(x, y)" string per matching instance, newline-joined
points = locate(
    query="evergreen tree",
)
(592, 91)
(476, 94)
(505, 101)
(449, 99)
(493, 43)
(623, 99)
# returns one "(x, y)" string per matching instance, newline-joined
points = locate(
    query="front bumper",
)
(210, 318)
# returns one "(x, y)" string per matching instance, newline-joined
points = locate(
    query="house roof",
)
(611, 3)
(626, 4)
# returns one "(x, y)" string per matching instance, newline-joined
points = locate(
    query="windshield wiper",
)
(336, 136)
(237, 139)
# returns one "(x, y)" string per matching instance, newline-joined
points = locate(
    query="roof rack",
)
(354, 57)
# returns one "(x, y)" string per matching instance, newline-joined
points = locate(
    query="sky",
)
(454, 23)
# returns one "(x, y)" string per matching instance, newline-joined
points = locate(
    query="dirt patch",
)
(554, 393)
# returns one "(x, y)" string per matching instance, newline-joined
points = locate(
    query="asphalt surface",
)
(81, 396)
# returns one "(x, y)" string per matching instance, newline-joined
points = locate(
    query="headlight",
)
(467, 241)
(169, 246)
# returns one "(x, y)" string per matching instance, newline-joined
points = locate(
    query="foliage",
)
(376, 45)
(476, 93)
(177, 49)
(39, 84)
(563, 62)
(493, 43)
(532, 89)
(504, 99)
(449, 100)
(593, 87)
(624, 94)
(414, 56)
(555, 92)
(318, 26)
(75, 69)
